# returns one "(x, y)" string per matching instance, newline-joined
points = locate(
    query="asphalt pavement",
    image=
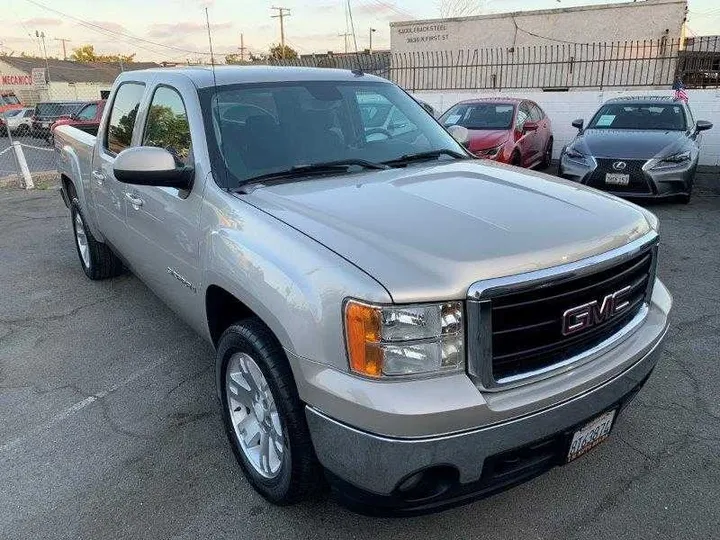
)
(110, 427)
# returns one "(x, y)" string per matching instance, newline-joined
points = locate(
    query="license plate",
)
(590, 435)
(617, 179)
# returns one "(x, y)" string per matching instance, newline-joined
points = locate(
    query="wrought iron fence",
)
(645, 63)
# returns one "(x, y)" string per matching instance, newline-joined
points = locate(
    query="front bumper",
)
(367, 470)
(372, 471)
(661, 183)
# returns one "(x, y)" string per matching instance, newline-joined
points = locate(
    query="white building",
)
(33, 80)
(632, 44)
(649, 19)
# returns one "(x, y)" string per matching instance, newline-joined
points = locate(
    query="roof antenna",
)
(215, 110)
(358, 70)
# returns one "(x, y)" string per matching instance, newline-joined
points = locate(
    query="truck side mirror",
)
(579, 123)
(151, 166)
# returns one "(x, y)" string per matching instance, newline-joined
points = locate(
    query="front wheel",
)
(547, 157)
(263, 415)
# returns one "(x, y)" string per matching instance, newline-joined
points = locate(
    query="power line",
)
(114, 33)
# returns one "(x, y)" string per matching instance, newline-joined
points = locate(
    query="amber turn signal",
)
(362, 332)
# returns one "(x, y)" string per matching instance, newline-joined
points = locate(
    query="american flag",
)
(680, 93)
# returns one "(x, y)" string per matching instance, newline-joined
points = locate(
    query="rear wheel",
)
(263, 415)
(96, 259)
(684, 198)
(515, 159)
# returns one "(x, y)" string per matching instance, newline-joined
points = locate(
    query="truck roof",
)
(202, 76)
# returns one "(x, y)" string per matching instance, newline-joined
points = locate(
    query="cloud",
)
(183, 28)
(42, 21)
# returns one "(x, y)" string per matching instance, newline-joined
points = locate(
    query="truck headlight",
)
(387, 341)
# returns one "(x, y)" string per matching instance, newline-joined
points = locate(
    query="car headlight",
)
(387, 341)
(674, 160)
(489, 152)
(573, 153)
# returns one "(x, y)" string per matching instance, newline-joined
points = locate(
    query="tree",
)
(460, 8)
(235, 59)
(86, 53)
(277, 52)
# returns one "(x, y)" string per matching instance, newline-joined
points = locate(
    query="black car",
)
(638, 147)
(47, 112)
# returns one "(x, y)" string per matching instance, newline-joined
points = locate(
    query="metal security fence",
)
(646, 63)
(630, 64)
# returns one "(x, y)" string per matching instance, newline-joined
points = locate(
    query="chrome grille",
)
(515, 330)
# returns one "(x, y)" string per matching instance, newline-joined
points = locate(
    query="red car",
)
(510, 130)
(86, 118)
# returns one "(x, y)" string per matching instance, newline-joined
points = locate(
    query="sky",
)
(174, 30)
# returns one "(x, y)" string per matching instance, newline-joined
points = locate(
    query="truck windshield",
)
(258, 129)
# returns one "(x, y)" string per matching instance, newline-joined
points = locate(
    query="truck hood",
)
(429, 232)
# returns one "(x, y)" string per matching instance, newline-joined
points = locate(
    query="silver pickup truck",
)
(416, 327)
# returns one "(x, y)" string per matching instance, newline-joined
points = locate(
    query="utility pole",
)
(41, 36)
(63, 40)
(372, 31)
(242, 48)
(346, 35)
(282, 13)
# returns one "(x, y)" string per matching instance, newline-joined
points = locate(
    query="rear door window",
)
(523, 116)
(118, 135)
(536, 113)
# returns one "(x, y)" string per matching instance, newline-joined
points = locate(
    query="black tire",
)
(515, 159)
(547, 156)
(101, 262)
(23, 130)
(684, 198)
(300, 475)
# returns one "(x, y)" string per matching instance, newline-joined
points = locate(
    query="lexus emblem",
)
(619, 165)
(595, 312)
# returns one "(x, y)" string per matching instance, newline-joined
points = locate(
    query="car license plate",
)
(617, 179)
(590, 435)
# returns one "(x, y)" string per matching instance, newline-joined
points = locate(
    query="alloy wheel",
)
(81, 239)
(254, 416)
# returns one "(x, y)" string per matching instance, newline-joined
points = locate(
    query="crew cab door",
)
(163, 222)
(108, 195)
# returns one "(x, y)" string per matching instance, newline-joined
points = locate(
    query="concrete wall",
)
(651, 19)
(564, 107)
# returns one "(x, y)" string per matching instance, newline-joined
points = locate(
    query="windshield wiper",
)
(426, 156)
(326, 167)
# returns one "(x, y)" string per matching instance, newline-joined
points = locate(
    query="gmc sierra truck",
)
(415, 327)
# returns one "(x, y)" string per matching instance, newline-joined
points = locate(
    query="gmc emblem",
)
(593, 313)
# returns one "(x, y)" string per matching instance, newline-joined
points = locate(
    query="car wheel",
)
(684, 198)
(22, 130)
(263, 415)
(547, 157)
(96, 258)
(515, 159)
(51, 139)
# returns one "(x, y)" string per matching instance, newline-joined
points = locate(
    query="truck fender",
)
(70, 169)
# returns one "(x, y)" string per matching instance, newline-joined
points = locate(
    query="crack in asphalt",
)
(24, 321)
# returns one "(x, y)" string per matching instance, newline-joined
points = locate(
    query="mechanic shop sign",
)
(16, 80)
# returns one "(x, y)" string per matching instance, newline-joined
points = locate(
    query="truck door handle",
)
(99, 177)
(135, 201)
